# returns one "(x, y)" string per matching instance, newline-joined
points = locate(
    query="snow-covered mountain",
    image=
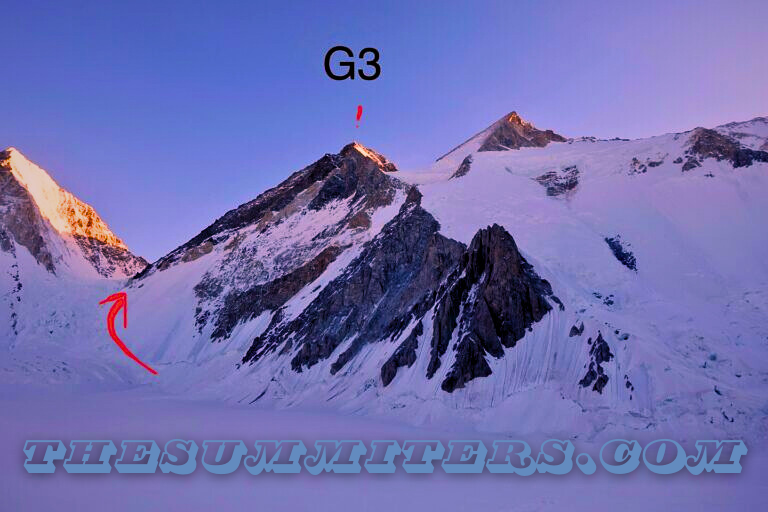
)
(57, 258)
(527, 281)
(61, 232)
(509, 132)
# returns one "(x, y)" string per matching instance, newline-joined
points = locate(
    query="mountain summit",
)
(508, 133)
(513, 132)
(56, 228)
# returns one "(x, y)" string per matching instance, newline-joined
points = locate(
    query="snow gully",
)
(221, 457)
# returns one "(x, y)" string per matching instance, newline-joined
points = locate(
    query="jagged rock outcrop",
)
(488, 291)
(375, 297)
(493, 298)
(705, 143)
(561, 182)
(405, 355)
(638, 167)
(621, 253)
(576, 331)
(599, 353)
(463, 167)
(513, 132)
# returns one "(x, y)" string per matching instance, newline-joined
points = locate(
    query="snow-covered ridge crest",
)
(66, 213)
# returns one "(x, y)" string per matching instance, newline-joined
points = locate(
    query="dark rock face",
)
(561, 182)
(599, 353)
(405, 355)
(494, 297)
(375, 297)
(576, 331)
(628, 384)
(20, 220)
(463, 168)
(359, 220)
(488, 291)
(705, 143)
(512, 132)
(638, 167)
(691, 164)
(470, 364)
(6, 244)
(15, 292)
(358, 176)
(624, 256)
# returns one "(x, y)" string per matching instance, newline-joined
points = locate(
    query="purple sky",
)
(165, 116)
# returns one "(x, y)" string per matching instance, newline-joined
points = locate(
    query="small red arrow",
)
(120, 300)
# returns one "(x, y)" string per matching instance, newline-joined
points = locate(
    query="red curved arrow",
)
(120, 300)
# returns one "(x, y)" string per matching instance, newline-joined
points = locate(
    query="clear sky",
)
(164, 115)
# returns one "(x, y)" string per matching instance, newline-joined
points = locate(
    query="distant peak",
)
(507, 133)
(66, 213)
(513, 132)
